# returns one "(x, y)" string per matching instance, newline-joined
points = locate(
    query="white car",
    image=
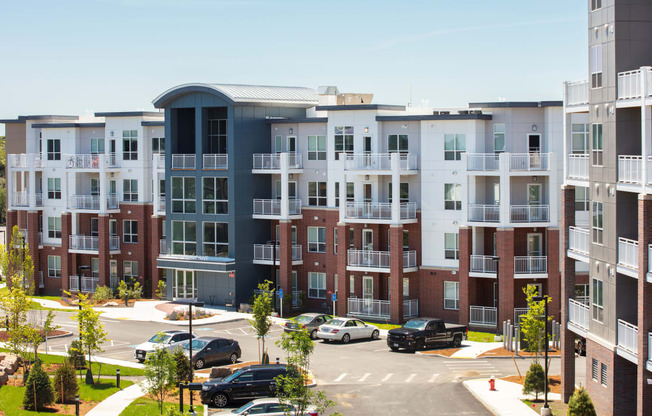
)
(270, 407)
(169, 339)
(346, 329)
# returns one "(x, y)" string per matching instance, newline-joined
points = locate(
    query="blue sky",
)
(73, 57)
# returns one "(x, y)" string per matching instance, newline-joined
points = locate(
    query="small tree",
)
(65, 383)
(16, 261)
(161, 290)
(535, 381)
(160, 370)
(76, 354)
(183, 371)
(532, 323)
(580, 404)
(38, 389)
(92, 333)
(262, 322)
(48, 327)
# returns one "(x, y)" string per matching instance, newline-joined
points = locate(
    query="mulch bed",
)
(502, 352)
(4, 336)
(554, 382)
(446, 352)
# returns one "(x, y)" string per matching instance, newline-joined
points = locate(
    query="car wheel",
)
(199, 364)
(419, 345)
(393, 348)
(457, 341)
(375, 334)
(233, 358)
(313, 334)
(346, 338)
(220, 400)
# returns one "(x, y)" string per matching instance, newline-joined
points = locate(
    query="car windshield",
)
(243, 408)
(197, 344)
(336, 322)
(415, 324)
(303, 319)
(232, 376)
(160, 339)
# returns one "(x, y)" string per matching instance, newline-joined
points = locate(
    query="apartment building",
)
(86, 195)
(607, 164)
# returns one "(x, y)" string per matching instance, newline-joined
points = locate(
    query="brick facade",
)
(567, 291)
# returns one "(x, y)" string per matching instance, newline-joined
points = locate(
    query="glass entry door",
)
(368, 294)
(185, 284)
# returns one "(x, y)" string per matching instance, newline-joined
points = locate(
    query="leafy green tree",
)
(92, 334)
(262, 321)
(161, 290)
(38, 389)
(76, 354)
(16, 261)
(183, 371)
(535, 381)
(580, 404)
(532, 323)
(3, 181)
(48, 327)
(160, 368)
(65, 383)
(128, 291)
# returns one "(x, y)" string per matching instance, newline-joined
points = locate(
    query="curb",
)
(69, 333)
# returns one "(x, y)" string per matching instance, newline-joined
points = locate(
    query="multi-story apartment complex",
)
(607, 176)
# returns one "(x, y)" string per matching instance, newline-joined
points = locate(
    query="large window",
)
(54, 188)
(317, 194)
(184, 238)
(454, 146)
(451, 295)
(130, 231)
(130, 144)
(452, 246)
(54, 227)
(343, 140)
(596, 4)
(130, 270)
(453, 196)
(184, 195)
(97, 146)
(597, 298)
(580, 139)
(130, 190)
(158, 144)
(54, 266)
(216, 196)
(595, 66)
(216, 239)
(404, 192)
(316, 147)
(317, 285)
(350, 193)
(54, 149)
(582, 198)
(597, 226)
(317, 239)
(499, 138)
(335, 242)
(597, 145)
(397, 143)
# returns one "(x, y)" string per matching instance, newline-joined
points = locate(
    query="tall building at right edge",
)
(606, 219)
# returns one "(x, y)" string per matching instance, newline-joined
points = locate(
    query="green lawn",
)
(146, 407)
(37, 307)
(383, 326)
(481, 336)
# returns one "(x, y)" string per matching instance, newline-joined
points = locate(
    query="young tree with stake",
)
(92, 333)
(160, 369)
(262, 309)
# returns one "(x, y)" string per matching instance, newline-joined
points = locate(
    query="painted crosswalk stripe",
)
(341, 377)
(387, 377)
(410, 378)
(364, 377)
(432, 379)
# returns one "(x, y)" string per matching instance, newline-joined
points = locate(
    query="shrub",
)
(136, 291)
(76, 355)
(161, 291)
(38, 389)
(580, 404)
(173, 316)
(65, 383)
(102, 294)
(534, 380)
(182, 373)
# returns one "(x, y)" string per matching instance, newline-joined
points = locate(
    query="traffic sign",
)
(334, 297)
(280, 293)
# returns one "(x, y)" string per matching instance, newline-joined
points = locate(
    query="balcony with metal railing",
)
(264, 254)
(627, 257)
(271, 208)
(20, 199)
(578, 243)
(378, 308)
(90, 161)
(577, 93)
(271, 162)
(79, 243)
(215, 161)
(161, 202)
(578, 166)
(530, 267)
(91, 202)
(25, 161)
(184, 161)
(578, 317)
(379, 212)
(529, 162)
(482, 266)
(483, 315)
(483, 162)
(529, 213)
(484, 213)
(158, 161)
(88, 283)
(380, 163)
(627, 341)
(630, 85)
(378, 261)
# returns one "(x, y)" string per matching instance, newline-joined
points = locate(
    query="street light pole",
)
(545, 410)
(190, 305)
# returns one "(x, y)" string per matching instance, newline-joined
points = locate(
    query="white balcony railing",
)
(114, 242)
(629, 83)
(529, 213)
(379, 210)
(216, 161)
(530, 264)
(265, 252)
(379, 161)
(533, 161)
(266, 161)
(90, 161)
(369, 259)
(409, 258)
(91, 202)
(39, 199)
(483, 264)
(273, 206)
(20, 199)
(628, 253)
(162, 203)
(22, 160)
(84, 242)
(578, 314)
(483, 162)
(368, 307)
(630, 169)
(88, 283)
(578, 240)
(578, 166)
(628, 337)
(577, 93)
(184, 162)
(483, 315)
(410, 308)
(484, 213)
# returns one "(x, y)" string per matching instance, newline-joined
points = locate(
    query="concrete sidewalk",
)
(506, 400)
(117, 402)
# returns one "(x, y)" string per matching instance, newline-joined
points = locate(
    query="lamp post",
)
(545, 410)
(190, 305)
(22, 266)
(497, 297)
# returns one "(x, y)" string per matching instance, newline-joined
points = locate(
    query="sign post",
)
(334, 298)
(280, 297)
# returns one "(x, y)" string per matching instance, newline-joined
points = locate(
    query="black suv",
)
(247, 383)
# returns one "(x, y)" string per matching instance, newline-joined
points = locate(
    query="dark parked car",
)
(252, 382)
(207, 350)
(419, 333)
(308, 321)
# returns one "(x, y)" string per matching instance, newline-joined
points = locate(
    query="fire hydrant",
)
(492, 383)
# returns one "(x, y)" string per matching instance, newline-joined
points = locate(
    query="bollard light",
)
(181, 398)
(77, 405)
(117, 378)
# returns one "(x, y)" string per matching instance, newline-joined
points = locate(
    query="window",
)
(317, 285)
(278, 144)
(594, 369)
(54, 266)
(597, 298)
(130, 144)
(54, 227)
(451, 295)
(595, 66)
(453, 196)
(130, 231)
(95, 227)
(130, 269)
(97, 146)
(397, 143)
(406, 288)
(351, 236)
(54, 188)
(499, 138)
(317, 194)
(452, 246)
(316, 147)
(317, 239)
(184, 238)
(454, 146)
(184, 195)
(597, 228)
(580, 139)
(350, 193)
(95, 186)
(343, 140)
(404, 192)
(216, 196)
(603, 374)
(406, 240)
(130, 190)
(95, 267)
(334, 240)
(54, 149)
(158, 144)
(597, 145)
(352, 285)
(216, 239)
(581, 198)
(596, 4)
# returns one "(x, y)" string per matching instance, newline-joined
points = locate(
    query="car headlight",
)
(205, 388)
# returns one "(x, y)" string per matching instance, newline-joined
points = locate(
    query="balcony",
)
(577, 93)
(91, 202)
(578, 167)
(627, 341)
(482, 266)
(86, 243)
(529, 213)
(627, 257)
(529, 162)
(530, 267)
(90, 161)
(483, 316)
(184, 162)
(578, 243)
(88, 283)
(21, 199)
(379, 163)
(380, 309)
(215, 162)
(264, 254)
(483, 162)
(629, 83)
(25, 161)
(271, 162)
(271, 208)
(161, 203)
(578, 317)
(378, 261)
(379, 212)
(484, 213)
(158, 161)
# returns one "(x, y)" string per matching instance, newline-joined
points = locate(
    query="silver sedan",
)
(346, 329)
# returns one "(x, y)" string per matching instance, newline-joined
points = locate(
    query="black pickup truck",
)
(419, 333)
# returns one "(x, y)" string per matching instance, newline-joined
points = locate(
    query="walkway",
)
(117, 402)
(506, 400)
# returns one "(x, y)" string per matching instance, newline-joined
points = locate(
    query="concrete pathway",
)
(506, 400)
(117, 402)
(473, 349)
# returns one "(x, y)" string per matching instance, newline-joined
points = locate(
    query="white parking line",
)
(410, 378)
(341, 377)
(364, 377)
(387, 377)
(432, 379)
